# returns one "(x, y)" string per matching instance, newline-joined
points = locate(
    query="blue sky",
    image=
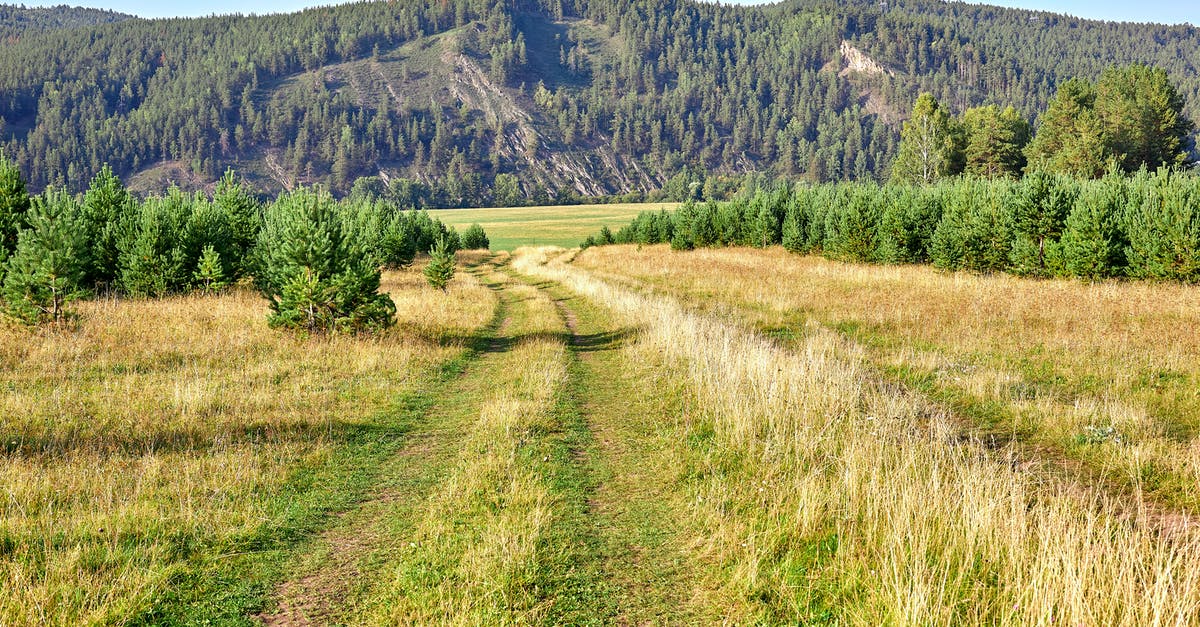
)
(1163, 11)
(1160, 11)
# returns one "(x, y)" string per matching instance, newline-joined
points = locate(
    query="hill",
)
(16, 20)
(562, 97)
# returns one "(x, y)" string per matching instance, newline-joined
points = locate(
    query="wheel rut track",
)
(633, 533)
(625, 563)
(313, 596)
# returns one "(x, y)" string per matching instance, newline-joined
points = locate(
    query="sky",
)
(1162, 11)
(1159, 11)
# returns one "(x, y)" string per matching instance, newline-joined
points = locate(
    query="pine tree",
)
(1070, 137)
(1142, 117)
(154, 260)
(243, 217)
(892, 236)
(765, 227)
(995, 141)
(46, 272)
(1040, 204)
(792, 233)
(975, 232)
(210, 275)
(506, 191)
(852, 226)
(316, 275)
(208, 226)
(474, 238)
(1093, 242)
(1164, 229)
(398, 242)
(14, 205)
(681, 231)
(107, 210)
(441, 264)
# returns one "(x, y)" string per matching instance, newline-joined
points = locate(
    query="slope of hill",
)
(568, 96)
(16, 20)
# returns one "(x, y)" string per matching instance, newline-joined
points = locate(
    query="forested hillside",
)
(459, 102)
(15, 21)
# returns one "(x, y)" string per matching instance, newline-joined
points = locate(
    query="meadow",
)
(564, 226)
(147, 448)
(842, 435)
(1101, 376)
(620, 435)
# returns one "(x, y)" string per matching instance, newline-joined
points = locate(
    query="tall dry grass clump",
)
(160, 430)
(823, 495)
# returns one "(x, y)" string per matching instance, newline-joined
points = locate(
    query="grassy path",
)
(610, 457)
(539, 488)
(334, 568)
(632, 519)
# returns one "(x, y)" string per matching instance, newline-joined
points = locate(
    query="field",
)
(565, 226)
(623, 435)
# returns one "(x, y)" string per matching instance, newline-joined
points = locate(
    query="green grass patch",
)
(565, 226)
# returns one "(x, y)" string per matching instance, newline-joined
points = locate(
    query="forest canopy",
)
(562, 98)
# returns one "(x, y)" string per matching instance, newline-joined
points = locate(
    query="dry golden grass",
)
(1108, 372)
(162, 427)
(823, 495)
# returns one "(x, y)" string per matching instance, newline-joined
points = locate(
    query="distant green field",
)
(512, 227)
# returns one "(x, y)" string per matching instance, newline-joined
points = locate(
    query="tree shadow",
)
(583, 343)
(603, 341)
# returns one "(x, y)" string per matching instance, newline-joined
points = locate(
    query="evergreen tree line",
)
(1143, 226)
(316, 259)
(1132, 118)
